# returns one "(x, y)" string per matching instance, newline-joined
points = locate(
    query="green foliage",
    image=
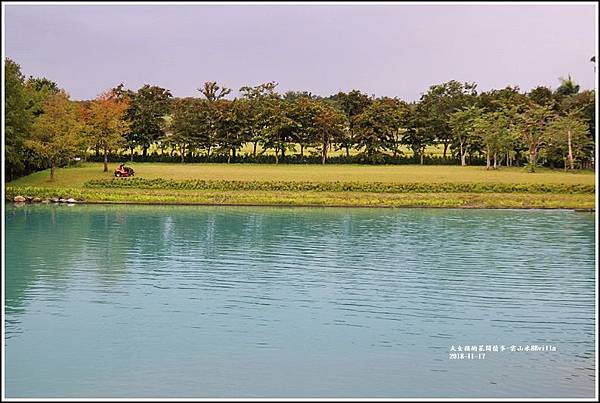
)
(531, 125)
(502, 99)
(504, 125)
(378, 127)
(213, 91)
(464, 129)
(567, 137)
(567, 87)
(583, 106)
(104, 123)
(18, 118)
(40, 88)
(542, 96)
(439, 103)
(184, 126)
(303, 186)
(56, 134)
(496, 132)
(147, 108)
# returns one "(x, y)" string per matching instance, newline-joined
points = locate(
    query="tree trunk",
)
(487, 158)
(131, 148)
(532, 160)
(233, 152)
(52, 171)
(282, 153)
(462, 155)
(347, 151)
(571, 165)
(105, 160)
(276, 156)
(228, 156)
(208, 152)
(421, 155)
(254, 150)
(326, 145)
(445, 149)
(145, 150)
(302, 151)
(495, 161)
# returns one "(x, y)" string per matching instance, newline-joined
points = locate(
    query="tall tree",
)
(278, 126)
(377, 126)
(567, 87)
(212, 110)
(147, 108)
(260, 98)
(304, 111)
(531, 126)
(352, 103)
(439, 102)
(416, 136)
(583, 106)
(331, 123)
(463, 127)
(56, 134)
(568, 136)
(18, 118)
(183, 127)
(231, 126)
(105, 122)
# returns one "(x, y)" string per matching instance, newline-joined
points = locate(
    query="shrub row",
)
(371, 187)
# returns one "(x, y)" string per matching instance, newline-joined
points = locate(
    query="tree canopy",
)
(504, 126)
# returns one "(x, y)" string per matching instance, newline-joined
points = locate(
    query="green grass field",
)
(70, 182)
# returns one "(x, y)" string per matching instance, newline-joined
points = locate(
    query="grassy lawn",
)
(77, 176)
(70, 182)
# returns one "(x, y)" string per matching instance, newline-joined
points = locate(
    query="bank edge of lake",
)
(581, 210)
(581, 202)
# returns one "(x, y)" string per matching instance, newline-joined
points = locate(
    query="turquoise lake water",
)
(159, 301)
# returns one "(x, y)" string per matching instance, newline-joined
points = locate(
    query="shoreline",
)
(155, 203)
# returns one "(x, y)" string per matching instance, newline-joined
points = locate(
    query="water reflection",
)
(209, 301)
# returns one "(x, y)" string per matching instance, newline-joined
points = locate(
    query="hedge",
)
(371, 187)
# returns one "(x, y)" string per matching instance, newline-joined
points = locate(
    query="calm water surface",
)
(138, 301)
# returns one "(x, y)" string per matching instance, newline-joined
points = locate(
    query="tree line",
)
(45, 129)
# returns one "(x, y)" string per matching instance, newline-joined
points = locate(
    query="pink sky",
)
(394, 49)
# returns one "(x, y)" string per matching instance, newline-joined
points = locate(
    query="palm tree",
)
(567, 87)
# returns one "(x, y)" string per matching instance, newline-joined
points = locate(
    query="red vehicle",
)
(123, 171)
